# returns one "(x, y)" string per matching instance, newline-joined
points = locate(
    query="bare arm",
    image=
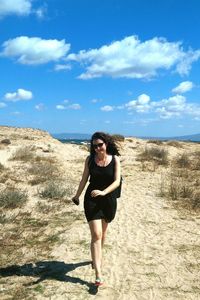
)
(114, 184)
(83, 181)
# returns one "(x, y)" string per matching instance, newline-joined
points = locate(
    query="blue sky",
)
(121, 66)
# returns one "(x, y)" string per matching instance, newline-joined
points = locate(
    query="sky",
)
(128, 67)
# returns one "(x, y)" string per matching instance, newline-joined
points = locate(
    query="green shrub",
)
(12, 198)
(53, 190)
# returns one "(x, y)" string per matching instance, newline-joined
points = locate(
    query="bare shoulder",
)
(87, 159)
(117, 158)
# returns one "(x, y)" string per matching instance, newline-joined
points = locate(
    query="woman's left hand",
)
(96, 193)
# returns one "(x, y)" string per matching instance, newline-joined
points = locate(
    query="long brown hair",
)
(111, 147)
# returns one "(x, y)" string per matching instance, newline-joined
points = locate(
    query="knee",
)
(103, 236)
(96, 236)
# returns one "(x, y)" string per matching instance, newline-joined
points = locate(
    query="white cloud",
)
(175, 106)
(34, 50)
(172, 107)
(183, 87)
(20, 94)
(74, 106)
(61, 107)
(166, 114)
(21, 8)
(39, 107)
(2, 105)
(107, 108)
(132, 58)
(61, 67)
(17, 7)
(185, 63)
(141, 104)
(40, 12)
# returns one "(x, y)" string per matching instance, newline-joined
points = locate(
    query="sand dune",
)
(152, 249)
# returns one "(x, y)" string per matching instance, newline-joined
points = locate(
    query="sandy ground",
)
(152, 250)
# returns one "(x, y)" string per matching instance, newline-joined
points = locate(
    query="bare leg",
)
(104, 230)
(96, 248)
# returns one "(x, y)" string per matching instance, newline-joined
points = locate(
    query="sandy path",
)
(151, 252)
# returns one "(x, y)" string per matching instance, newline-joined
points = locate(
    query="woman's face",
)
(99, 146)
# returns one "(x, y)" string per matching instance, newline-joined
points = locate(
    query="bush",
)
(183, 161)
(158, 155)
(23, 153)
(53, 190)
(3, 219)
(181, 185)
(196, 199)
(6, 142)
(157, 142)
(196, 161)
(12, 198)
(42, 172)
(174, 144)
(118, 137)
(1, 167)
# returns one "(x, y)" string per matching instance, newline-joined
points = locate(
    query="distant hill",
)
(192, 138)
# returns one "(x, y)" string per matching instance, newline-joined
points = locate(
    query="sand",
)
(152, 250)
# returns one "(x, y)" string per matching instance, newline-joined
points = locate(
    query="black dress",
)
(100, 207)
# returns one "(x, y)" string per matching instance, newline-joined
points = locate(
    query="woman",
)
(103, 167)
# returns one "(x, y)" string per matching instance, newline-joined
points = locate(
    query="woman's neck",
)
(101, 156)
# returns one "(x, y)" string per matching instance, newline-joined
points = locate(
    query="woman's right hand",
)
(76, 200)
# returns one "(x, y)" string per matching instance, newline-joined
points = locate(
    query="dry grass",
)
(156, 142)
(154, 154)
(196, 161)
(2, 168)
(56, 190)
(12, 198)
(24, 154)
(183, 161)
(175, 144)
(43, 171)
(183, 181)
(118, 137)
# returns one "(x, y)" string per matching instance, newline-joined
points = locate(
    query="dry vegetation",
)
(181, 179)
(35, 193)
(33, 189)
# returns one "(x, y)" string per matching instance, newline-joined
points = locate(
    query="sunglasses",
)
(99, 145)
